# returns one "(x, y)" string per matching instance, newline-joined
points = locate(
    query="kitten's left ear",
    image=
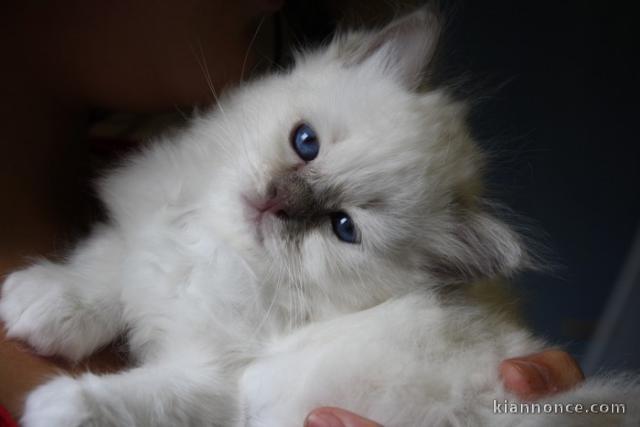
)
(404, 48)
(478, 246)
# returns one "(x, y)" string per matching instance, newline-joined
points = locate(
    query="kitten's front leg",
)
(167, 394)
(71, 308)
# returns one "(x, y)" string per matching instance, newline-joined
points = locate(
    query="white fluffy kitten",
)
(290, 250)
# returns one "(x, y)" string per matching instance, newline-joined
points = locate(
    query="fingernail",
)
(323, 419)
(537, 376)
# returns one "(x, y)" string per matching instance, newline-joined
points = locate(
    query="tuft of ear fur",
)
(403, 49)
(478, 246)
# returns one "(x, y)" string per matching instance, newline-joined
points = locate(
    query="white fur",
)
(231, 324)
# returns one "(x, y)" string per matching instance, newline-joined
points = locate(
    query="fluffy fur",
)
(237, 316)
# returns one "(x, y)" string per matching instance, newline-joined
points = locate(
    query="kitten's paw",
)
(59, 403)
(39, 306)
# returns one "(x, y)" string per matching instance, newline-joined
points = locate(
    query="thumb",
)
(534, 376)
(336, 417)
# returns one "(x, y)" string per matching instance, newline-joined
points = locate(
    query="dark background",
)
(559, 116)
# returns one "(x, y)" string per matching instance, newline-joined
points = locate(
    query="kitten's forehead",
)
(349, 95)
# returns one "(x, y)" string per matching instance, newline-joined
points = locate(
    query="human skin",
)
(60, 61)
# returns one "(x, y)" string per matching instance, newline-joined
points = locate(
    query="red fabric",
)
(5, 418)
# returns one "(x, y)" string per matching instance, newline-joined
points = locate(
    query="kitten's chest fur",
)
(217, 294)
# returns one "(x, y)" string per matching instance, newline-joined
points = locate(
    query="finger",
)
(531, 377)
(336, 417)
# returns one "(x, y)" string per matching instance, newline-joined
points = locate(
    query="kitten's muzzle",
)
(290, 197)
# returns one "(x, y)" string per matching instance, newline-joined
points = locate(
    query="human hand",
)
(529, 377)
(540, 374)
(336, 417)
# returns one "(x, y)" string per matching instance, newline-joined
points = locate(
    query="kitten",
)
(289, 250)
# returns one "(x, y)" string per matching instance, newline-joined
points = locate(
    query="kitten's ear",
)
(478, 246)
(404, 48)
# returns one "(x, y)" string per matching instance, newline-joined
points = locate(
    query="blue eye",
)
(305, 142)
(344, 228)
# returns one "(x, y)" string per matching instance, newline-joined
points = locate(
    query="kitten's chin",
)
(257, 218)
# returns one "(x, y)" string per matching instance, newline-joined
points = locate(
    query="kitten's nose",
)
(291, 196)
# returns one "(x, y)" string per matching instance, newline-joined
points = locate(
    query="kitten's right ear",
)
(403, 49)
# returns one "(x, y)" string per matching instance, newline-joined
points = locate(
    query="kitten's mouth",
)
(260, 208)
(272, 205)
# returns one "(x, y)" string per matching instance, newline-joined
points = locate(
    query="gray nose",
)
(294, 195)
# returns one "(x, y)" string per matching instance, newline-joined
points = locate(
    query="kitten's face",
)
(349, 181)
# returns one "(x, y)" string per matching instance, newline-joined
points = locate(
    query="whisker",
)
(202, 63)
(251, 43)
